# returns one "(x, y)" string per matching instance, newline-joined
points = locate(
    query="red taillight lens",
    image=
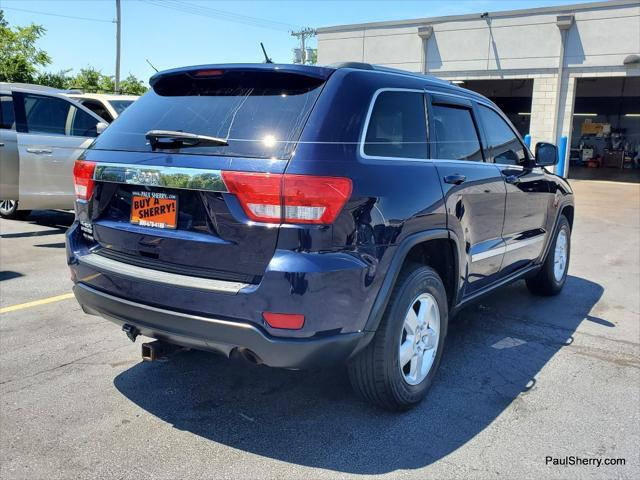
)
(289, 321)
(305, 198)
(83, 179)
(310, 199)
(258, 193)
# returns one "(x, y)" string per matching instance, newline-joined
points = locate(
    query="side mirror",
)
(546, 154)
(100, 127)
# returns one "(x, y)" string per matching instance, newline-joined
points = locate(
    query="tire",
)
(375, 373)
(550, 279)
(9, 210)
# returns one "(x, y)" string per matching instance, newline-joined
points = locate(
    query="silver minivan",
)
(42, 133)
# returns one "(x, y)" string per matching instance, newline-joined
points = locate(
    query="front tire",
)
(397, 368)
(9, 210)
(552, 276)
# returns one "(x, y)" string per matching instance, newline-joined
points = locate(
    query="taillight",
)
(83, 179)
(304, 198)
(310, 199)
(258, 193)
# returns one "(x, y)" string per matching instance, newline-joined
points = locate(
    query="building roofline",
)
(476, 16)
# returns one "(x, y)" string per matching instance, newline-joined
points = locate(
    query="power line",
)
(200, 10)
(57, 15)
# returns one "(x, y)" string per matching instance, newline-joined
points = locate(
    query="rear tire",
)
(552, 276)
(9, 210)
(416, 340)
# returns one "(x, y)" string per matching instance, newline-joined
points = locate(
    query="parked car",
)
(106, 106)
(304, 216)
(42, 133)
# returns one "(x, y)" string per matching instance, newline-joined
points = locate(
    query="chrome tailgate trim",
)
(158, 176)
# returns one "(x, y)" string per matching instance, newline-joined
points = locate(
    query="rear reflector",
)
(83, 179)
(289, 321)
(305, 198)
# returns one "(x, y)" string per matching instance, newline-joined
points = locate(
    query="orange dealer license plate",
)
(154, 209)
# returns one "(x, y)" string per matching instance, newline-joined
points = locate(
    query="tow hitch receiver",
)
(153, 351)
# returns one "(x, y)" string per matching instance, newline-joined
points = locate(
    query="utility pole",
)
(118, 24)
(302, 35)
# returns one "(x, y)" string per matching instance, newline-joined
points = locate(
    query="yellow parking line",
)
(35, 303)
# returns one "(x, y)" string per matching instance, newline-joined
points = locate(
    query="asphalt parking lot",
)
(522, 378)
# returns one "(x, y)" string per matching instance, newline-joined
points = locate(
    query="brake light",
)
(305, 198)
(83, 179)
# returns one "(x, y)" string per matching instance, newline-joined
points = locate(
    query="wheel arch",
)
(568, 211)
(420, 248)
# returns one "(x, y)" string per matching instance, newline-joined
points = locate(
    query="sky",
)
(174, 33)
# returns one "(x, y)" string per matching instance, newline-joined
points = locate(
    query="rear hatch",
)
(160, 199)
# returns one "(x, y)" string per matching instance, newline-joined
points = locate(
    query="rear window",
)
(260, 114)
(120, 105)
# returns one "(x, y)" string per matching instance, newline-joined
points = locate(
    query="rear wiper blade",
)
(185, 139)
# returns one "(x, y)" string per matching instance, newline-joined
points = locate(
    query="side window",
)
(455, 134)
(397, 126)
(99, 109)
(46, 114)
(7, 116)
(83, 124)
(503, 144)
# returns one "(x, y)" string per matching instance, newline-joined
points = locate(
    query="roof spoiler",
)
(218, 70)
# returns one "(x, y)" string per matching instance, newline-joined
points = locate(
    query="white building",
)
(550, 69)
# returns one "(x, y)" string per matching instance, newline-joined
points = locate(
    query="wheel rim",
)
(419, 339)
(560, 256)
(7, 206)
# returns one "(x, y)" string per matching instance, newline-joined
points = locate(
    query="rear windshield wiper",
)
(174, 138)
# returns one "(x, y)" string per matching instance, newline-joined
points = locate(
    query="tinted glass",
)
(397, 127)
(7, 118)
(504, 146)
(99, 109)
(260, 115)
(46, 114)
(120, 105)
(83, 125)
(455, 134)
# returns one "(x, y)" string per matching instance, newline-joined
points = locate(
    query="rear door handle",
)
(40, 151)
(455, 179)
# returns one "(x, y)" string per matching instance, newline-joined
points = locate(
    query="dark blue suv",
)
(305, 216)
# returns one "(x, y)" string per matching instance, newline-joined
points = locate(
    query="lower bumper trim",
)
(223, 336)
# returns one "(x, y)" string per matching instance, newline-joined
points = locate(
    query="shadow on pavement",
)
(494, 351)
(9, 274)
(58, 220)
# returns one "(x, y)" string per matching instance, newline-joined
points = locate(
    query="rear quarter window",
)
(397, 126)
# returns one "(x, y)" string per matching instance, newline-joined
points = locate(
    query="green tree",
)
(89, 80)
(19, 56)
(132, 86)
(60, 79)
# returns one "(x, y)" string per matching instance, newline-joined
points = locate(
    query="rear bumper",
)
(220, 335)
